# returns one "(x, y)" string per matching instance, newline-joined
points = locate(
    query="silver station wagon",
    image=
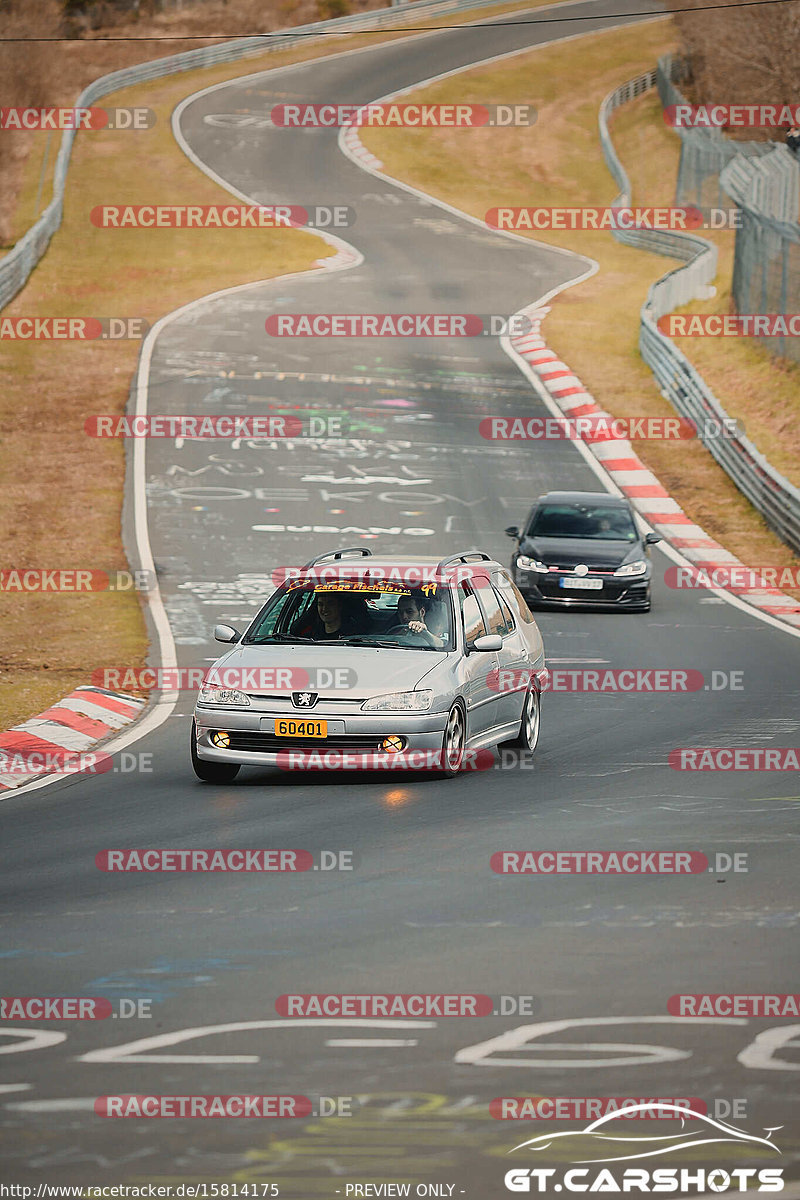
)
(363, 663)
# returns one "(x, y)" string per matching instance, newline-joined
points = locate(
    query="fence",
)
(17, 265)
(763, 180)
(774, 496)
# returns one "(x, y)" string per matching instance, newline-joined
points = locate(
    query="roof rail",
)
(462, 557)
(337, 554)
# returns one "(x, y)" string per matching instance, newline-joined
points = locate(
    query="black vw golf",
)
(583, 549)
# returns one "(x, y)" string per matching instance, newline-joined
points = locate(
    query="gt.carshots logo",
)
(612, 1144)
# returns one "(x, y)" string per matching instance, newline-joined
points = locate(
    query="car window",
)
(494, 615)
(605, 522)
(511, 624)
(521, 606)
(410, 619)
(471, 615)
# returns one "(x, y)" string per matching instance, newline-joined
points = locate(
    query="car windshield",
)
(602, 522)
(353, 614)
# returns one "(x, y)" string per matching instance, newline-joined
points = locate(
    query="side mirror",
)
(487, 642)
(513, 531)
(226, 633)
(650, 539)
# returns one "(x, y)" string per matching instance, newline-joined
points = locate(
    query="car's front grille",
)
(284, 701)
(268, 743)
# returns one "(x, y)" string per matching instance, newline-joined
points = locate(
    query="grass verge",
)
(594, 326)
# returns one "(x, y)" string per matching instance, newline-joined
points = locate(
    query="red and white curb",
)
(74, 725)
(358, 151)
(652, 501)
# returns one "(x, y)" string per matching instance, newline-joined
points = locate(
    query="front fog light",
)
(221, 739)
(393, 744)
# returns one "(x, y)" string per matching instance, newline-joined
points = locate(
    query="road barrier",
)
(770, 492)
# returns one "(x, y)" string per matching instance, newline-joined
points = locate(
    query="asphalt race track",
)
(421, 911)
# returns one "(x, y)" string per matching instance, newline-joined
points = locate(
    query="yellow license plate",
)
(314, 729)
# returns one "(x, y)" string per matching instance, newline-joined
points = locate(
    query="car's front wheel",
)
(211, 772)
(454, 741)
(528, 736)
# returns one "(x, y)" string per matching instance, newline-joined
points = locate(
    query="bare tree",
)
(742, 55)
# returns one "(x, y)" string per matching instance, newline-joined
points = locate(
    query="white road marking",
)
(136, 1051)
(481, 1054)
(372, 1043)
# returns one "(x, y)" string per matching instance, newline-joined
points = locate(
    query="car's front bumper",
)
(547, 591)
(251, 745)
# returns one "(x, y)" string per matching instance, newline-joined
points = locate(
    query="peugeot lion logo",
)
(304, 699)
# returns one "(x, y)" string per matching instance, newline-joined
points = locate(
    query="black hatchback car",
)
(583, 549)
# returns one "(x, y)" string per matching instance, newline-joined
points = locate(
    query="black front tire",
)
(211, 772)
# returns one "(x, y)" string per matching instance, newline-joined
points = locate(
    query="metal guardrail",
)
(16, 266)
(773, 495)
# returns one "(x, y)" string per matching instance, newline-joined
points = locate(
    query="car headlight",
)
(211, 694)
(634, 568)
(530, 564)
(399, 702)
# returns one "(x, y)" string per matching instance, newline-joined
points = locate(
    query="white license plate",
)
(585, 585)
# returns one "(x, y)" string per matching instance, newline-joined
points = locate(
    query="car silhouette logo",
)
(581, 569)
(607, 1138)
(304, 699)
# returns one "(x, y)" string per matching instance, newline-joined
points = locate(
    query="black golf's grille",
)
(268, 743)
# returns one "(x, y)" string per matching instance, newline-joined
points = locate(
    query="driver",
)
(411, 611)
(334, 615)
